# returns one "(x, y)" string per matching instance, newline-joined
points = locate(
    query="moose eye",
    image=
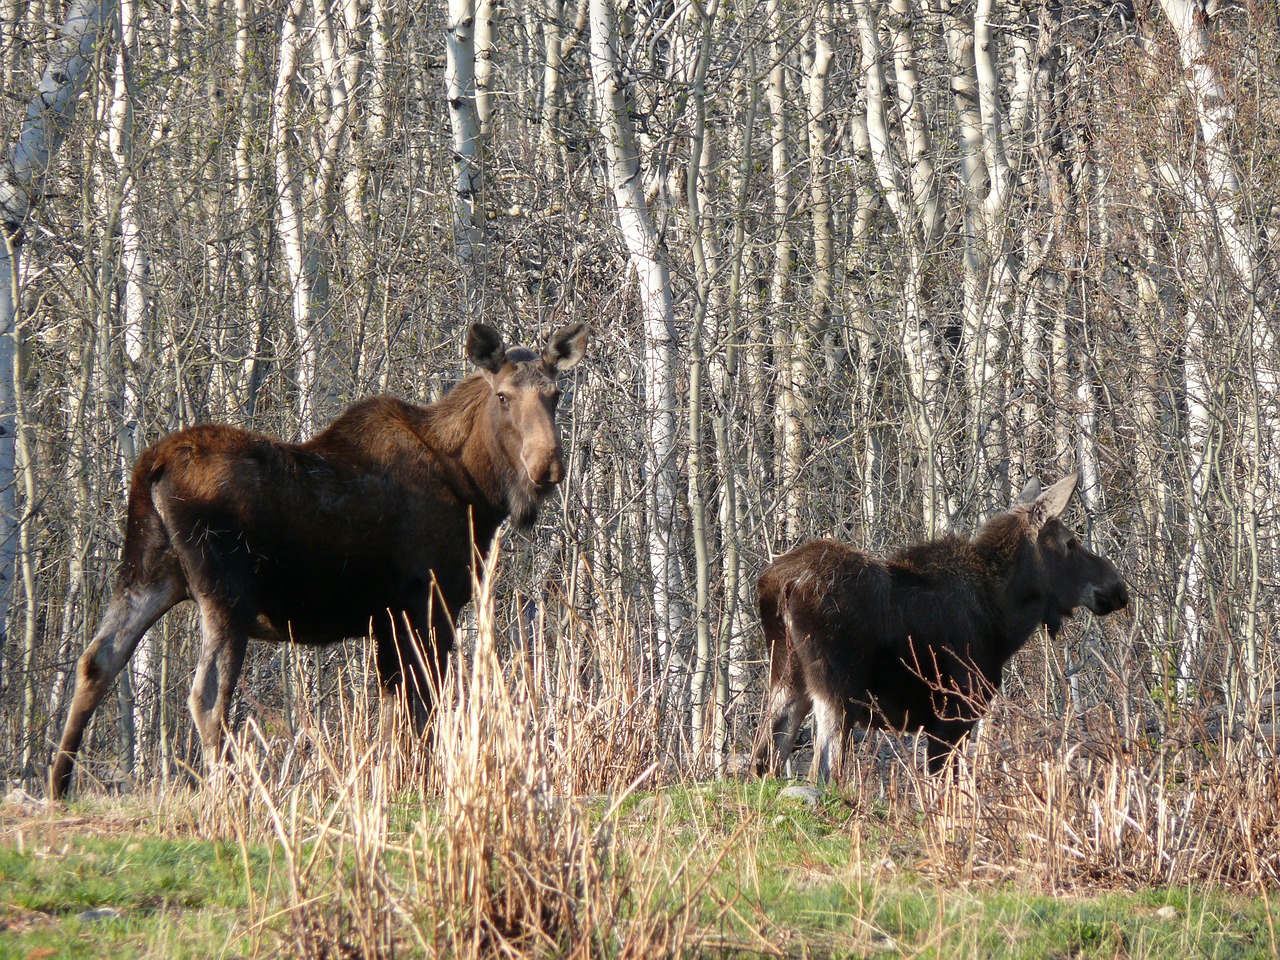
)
(502, 399)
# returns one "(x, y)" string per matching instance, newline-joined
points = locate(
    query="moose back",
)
(375, 522)
(918, 640)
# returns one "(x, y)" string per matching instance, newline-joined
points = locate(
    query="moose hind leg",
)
(224, 641)
(130, 614)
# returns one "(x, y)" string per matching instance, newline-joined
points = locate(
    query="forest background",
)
(855, 269)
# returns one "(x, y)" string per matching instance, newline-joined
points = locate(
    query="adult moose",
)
(918, 640)
(377, 521)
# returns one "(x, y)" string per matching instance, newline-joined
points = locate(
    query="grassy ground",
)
(768, 875)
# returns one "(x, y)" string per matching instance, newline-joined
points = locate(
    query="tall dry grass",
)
(1064, 805)
(498, 836)
(479, 841)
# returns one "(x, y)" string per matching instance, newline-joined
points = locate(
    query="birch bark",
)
(920, 345)
(1224, 227)
(22, 177)
(785, 415)
(653, 276)
(460, 91)
(134, 281)
(698, 178)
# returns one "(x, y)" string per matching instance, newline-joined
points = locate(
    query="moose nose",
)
(1110, 599)
(545, 471)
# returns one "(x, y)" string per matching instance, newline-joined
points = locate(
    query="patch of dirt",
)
(15, 919)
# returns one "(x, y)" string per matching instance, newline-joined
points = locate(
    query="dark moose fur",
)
(920, 639)
(377, 521)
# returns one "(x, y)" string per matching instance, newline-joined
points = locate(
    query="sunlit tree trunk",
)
(920, 345)
(648, 260)
(786, 414)
(552, 79)
(1223, 227)
(915, 125)
(485, 61)
(290, 220)
(22, 178)
(698, 179)
(460, 91)
(249, 194)
(811, 326)
(133, 282)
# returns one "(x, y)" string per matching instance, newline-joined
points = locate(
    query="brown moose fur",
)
(375, 523)
(918, 640)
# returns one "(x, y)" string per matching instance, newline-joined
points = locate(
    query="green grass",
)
(175, 897)
(781, 878)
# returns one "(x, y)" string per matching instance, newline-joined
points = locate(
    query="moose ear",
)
(566, 347)
(484, 347)
(1029, 493)
(1053, 501)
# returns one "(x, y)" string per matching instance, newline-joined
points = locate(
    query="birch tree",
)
(460, 91)
(22, 179)
(134, 280)
(1216, 210)
(657, 315)
(920, 341)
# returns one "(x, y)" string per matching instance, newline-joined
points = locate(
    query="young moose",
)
(918, 640)
(377, 521)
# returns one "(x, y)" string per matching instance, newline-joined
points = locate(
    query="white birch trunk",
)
(247, 201)
(460, 91)
(1199, 426)
(807, 346)
(915, 126)
(990, 339)
(486, 62)
(1224, 228)
(657, 308)
(785, 417)
(135, 279)
(698, 182)
(290, 220)
(923, 354)
(552, 81)
(22, 177)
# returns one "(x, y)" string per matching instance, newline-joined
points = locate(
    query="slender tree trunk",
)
(552, 83)
(923, 354)
(22, 177)
(290, 221)
(249, 195)
(915, 125)
(1225, 229)
(699, 175)
(134, 301)
(648, 259)
(787, 419)
(460, 91)
(485, 62)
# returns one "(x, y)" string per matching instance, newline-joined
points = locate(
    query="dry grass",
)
(501, 855)
(1063, 808)
(511, 833)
